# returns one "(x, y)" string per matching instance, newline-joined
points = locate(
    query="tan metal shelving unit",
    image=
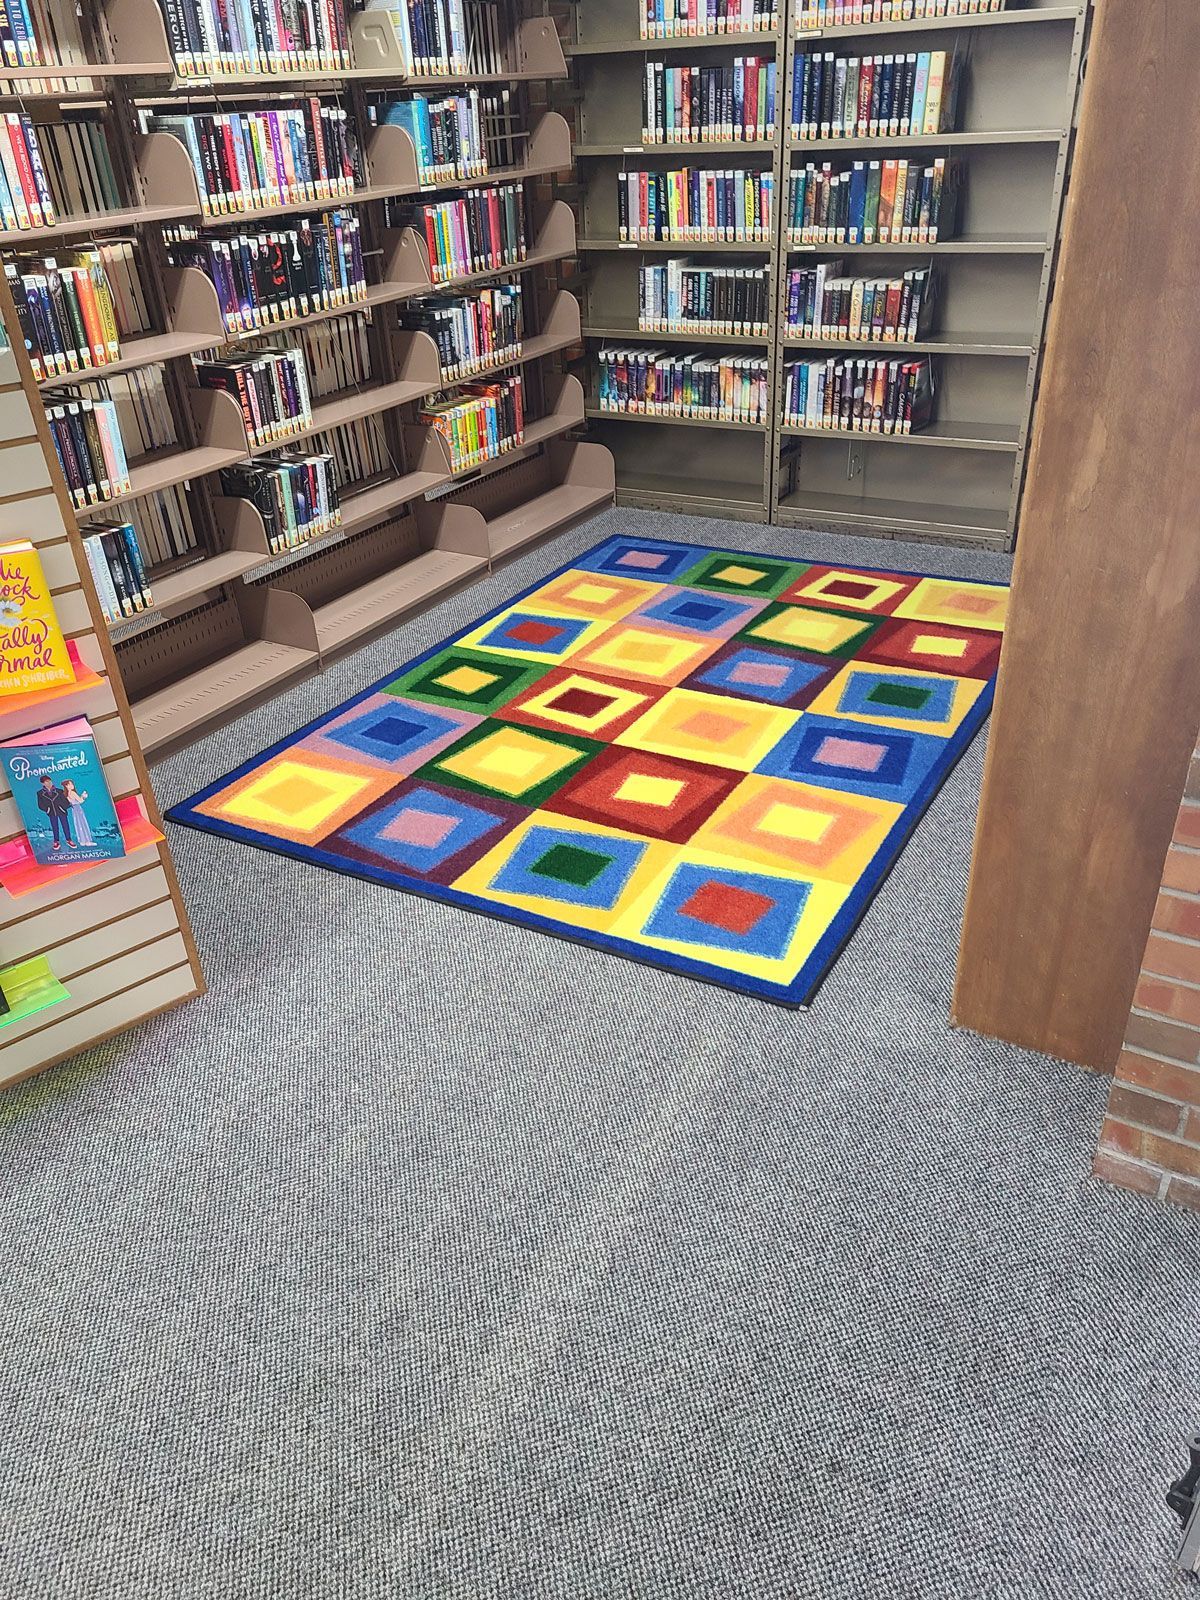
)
(961, 479)
(235, 622)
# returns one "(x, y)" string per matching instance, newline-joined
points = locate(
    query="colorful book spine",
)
(659, 383)
(874, 96)
(859, 395)
(695, 204)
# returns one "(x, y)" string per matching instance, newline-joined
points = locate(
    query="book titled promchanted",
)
(33, 652)
(58, 782)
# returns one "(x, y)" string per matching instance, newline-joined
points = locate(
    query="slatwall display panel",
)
(116, 936)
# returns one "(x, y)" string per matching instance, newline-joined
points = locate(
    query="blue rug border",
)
(803, 987)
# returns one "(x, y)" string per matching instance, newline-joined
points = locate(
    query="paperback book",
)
(852, 13)
(245, 160)
(33, 652)
(695, 204)
(58, 783)
(479, 231)
(859, 396)
(875, 202)
(660, 383)
(480, 421)
(699, 103)
(118, 572)
(270, 275)
(875, 97)
(471, 331)
(671, 19)
(822, 304)
(685, 296)
(218, 38)
(66, 312)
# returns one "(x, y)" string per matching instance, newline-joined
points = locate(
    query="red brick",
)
(1168, 999)
(1153, 994)
(1176, 1083)
(1163, 1038)
(1191, 1131)
(1172, 958)
(1131, 1105)
(1182, 1193)
(1127, 1174)
(1187, 825)
(1182, 870)
(1176, 914)
(1152, 1148)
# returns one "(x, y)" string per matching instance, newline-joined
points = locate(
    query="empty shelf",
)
(938, 435)
(214, 691)
(803, 507)
(375, 604)
(372, 505)
(543, 514)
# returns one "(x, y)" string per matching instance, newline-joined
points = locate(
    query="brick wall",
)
(1151, 1136)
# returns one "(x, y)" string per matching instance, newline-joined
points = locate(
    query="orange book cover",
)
(33, 652)
(887, 199)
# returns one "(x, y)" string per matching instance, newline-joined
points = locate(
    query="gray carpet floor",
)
(429, 1258)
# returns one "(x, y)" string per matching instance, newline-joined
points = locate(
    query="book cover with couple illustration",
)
(58, 782)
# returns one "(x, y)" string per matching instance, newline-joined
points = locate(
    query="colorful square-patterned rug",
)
(703, 759)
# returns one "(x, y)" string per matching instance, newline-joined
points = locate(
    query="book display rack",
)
(996, 132)
(226, 176)
(86, 950)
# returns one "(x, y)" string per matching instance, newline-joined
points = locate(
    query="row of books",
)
(66, 313)
(852, 13)
(164, 524)
(274, 275)
(887, 96)
(863, 396)
(480, 422)
(337, 355)
(360, 452)
(695, 203)
(120, 260)
(821, 304)
(481, 230)
(36, 33)
(218, 38)
(271, 388)
(660, 383)
(683, 296)
(873, 202)
(673, 19)
(91, 453)
(297, 497)
(118, 571)
(249, 159)
(695, 104)
(441, 37)
(96, 434)
(52, 168)
(471, 331)
(447, 134)
(144, 413)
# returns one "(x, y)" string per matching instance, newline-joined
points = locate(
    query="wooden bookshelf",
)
(233, 621)
(961, 479)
